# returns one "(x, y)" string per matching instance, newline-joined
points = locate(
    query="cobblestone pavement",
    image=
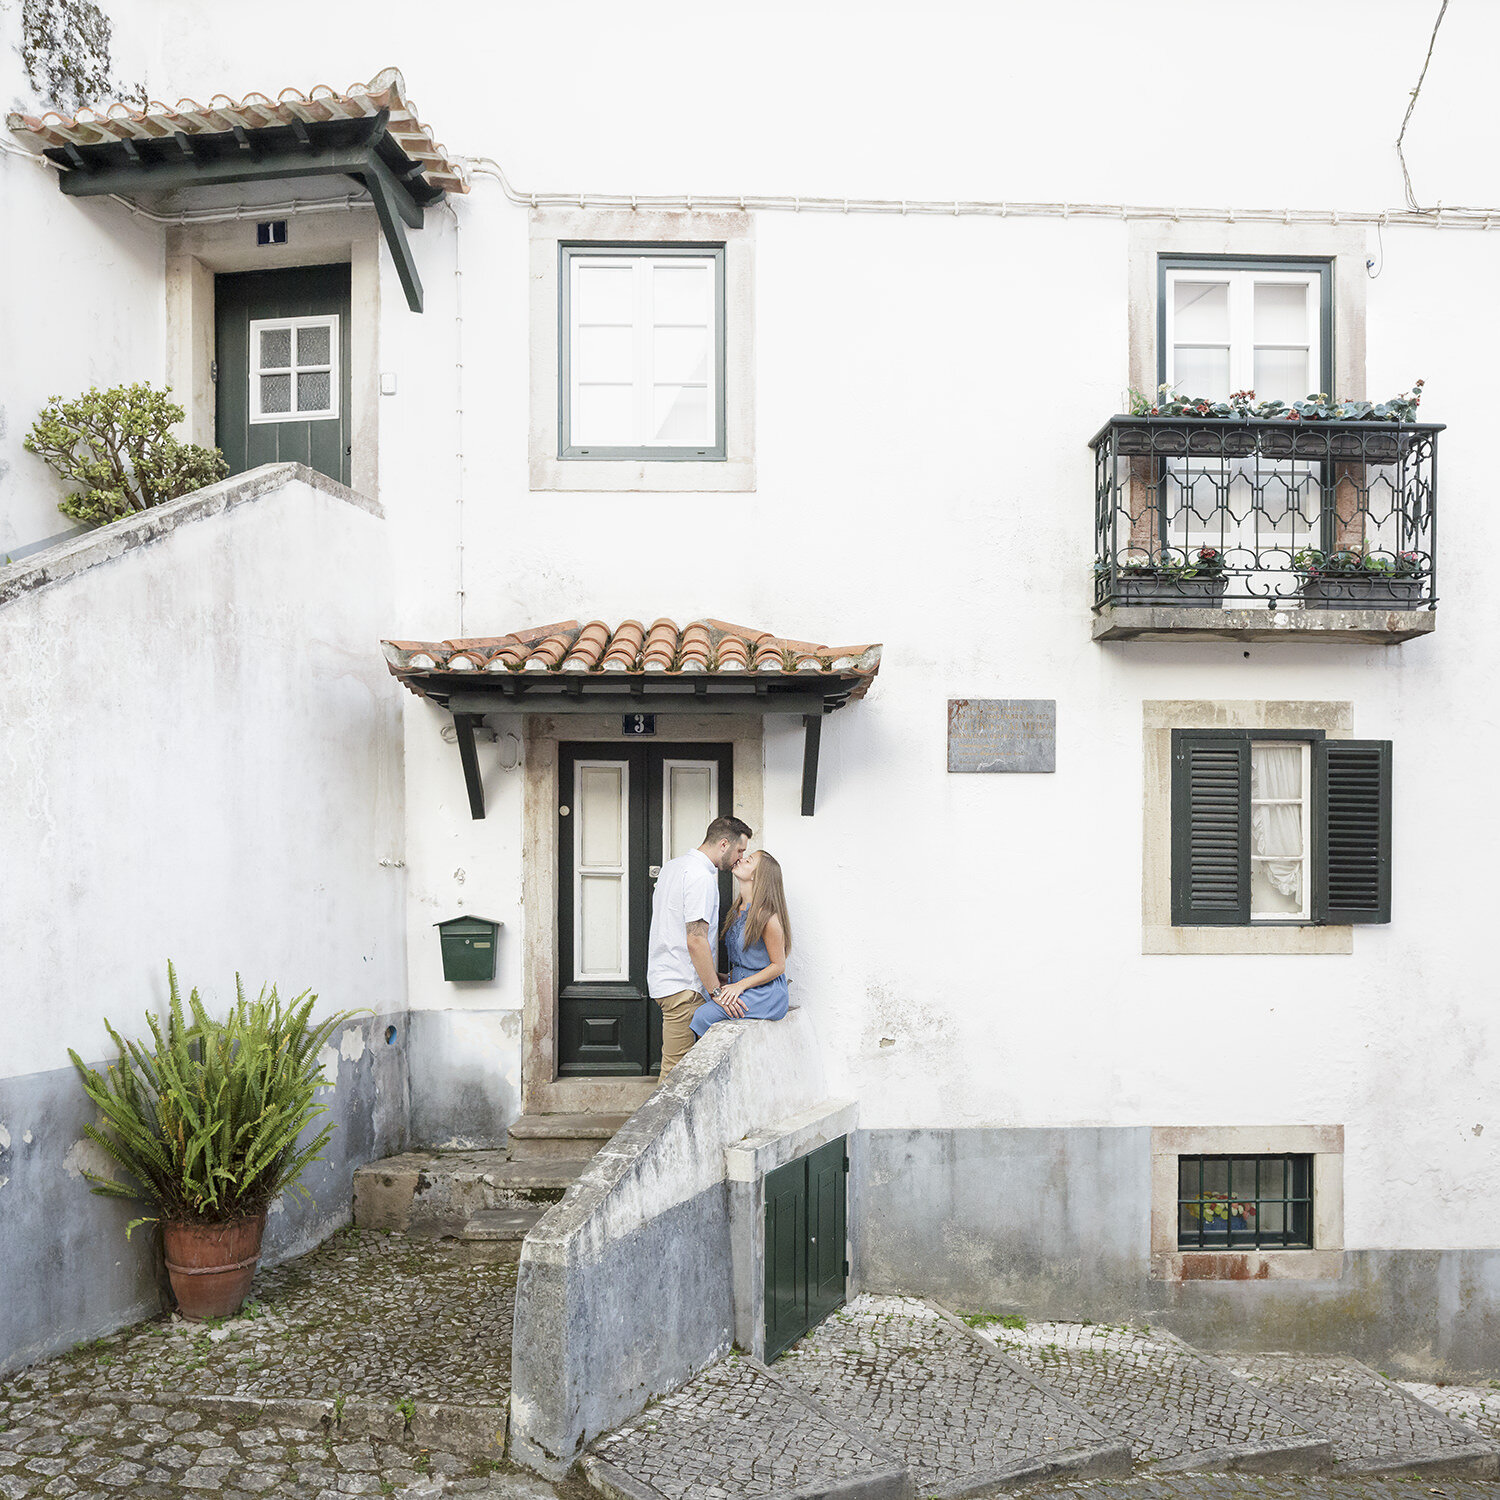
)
(1203, 1486)
(155, 1452)
(898, 1368)
(736, 1431)
(1371, 1420)
(370, 1366)
(1175, 1406)
(365, 1315)
(1476, 1405)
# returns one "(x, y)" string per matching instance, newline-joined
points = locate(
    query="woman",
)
(758, 934)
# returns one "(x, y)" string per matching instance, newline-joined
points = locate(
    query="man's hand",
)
(731, 999)
(701, 951)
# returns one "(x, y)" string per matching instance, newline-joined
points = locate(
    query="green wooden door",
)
(623, 811)
(806, 1209)
(282, 360)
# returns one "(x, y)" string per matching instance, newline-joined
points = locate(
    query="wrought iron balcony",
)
(1257, 529)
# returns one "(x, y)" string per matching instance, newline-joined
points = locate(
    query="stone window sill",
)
(1249, 1265)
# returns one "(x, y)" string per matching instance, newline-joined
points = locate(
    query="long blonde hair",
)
(767, 900)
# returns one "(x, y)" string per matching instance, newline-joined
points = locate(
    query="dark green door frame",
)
(613, 1029)
(324, 444)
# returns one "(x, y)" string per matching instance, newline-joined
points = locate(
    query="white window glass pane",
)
(600, 795)
(275, 393)
(605, 354)
(1267, 898)
(605, 294)
(682, 293)
(1276, 832)
(682, 414)
(275, 348)
(689, 800)
(1281, 313)
(1200, 311)
(681, 354)
(313, 346)
(600, 900)
(1201, 372)
(312, 390)
(1282, 375)
(603, 414)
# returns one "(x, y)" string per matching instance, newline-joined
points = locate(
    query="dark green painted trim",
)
(1185, 912)
(1330, 759)
(1321, 264)
(806, 1231)
(395, 209)
(565, 449)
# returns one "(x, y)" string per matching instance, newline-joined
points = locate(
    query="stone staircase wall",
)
(624, 1287)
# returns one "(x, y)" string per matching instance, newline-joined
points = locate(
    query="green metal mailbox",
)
(468, 947)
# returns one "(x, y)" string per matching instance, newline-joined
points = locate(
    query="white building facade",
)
(840, 425)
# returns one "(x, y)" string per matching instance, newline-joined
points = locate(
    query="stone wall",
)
(202, 763)
(625, 1287)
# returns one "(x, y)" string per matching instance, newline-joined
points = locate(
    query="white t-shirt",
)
(687, 890)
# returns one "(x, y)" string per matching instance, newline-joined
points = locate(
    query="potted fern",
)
(206, 1124)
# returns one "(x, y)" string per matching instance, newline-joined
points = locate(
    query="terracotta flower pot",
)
(212, 1265)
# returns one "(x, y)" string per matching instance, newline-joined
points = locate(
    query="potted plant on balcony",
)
(206, 1123)
(1173, 577)
(1356, 578)
(1219, 429)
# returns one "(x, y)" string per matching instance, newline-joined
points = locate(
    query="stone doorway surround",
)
(542, 1091)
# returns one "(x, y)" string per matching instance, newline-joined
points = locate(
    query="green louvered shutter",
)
(1352, 787)
(1210, 828)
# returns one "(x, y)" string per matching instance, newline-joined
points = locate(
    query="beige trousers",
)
(676, 1028)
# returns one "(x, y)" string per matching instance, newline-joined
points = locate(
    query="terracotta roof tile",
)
(108, 121)
(701, 647)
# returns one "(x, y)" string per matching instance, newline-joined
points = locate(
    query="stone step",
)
(560, 1137)
(961, 1417)
(1179, 1408)
(403, 1192)
(739, 1429)
(1376, 1427)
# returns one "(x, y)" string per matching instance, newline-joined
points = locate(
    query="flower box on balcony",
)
(1369, 442)
(1200, 593)
(1215, 439)
(1354, 592)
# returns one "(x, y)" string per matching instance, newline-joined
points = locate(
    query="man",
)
(681, 971)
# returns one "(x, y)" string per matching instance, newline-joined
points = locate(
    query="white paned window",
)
(294, 369)
(1243, 331)
(690, 799)
(643, 355)
(601, 806)
(1280, 776)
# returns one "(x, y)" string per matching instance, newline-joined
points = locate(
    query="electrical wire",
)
(1411, 104)
(1442, 217)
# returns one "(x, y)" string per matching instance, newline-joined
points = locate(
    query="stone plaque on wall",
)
(1002, 734)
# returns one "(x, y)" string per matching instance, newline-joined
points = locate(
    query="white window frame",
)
(330, 321)
(581, 870)
(1304, 913)
(1241, 333)
(644, 260)
(667, 767)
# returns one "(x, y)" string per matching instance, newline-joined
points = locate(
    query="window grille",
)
(1244, 1202)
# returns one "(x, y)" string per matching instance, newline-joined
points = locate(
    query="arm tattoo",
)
(698, 928)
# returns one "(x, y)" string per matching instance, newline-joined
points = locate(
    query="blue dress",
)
(766, 1002)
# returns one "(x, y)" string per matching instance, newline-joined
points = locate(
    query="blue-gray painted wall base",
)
(651, 1343)
(1055, 1223)
(70, 1273)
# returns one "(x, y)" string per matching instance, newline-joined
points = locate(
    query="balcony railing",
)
(1194, 513)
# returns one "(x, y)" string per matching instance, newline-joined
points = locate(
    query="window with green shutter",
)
(1280, 827)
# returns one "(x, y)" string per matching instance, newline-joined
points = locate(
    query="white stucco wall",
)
(925, 389)
(201, 764)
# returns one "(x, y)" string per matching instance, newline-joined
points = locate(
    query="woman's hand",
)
(730, 999)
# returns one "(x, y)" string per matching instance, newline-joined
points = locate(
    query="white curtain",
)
(1276, 771)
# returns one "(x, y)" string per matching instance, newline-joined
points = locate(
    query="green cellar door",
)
(806, 1224)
